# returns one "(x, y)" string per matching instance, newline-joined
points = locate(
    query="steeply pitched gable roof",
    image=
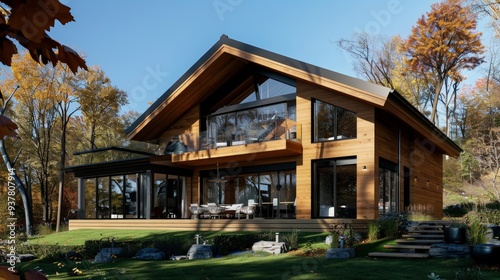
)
(227, 56)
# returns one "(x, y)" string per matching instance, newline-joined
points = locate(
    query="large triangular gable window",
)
(250, 111)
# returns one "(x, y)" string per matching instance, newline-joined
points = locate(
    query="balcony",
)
(277, 138)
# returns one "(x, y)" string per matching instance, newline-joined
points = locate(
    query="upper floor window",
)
(332, 122)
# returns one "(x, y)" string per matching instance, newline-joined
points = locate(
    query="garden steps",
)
(407, 247)
(427, 231)
(419, 241)
(425, 236)
(399, 255)
(416, 243)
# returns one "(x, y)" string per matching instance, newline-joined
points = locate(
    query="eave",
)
(401, 108)
(219, 64)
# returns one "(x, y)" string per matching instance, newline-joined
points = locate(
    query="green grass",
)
(248, 266)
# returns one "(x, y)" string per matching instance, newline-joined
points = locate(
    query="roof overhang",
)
(403, 109)
(226, 58)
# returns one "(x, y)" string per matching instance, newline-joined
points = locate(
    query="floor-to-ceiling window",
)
(90, 198)
(167, 196)
(388, 187)
(273, 192)
(334, 188)
(103, 197)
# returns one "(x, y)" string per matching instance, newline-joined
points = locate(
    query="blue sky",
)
(145, 46)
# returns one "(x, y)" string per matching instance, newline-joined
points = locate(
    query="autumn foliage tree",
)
(443, 44)
(27, 22)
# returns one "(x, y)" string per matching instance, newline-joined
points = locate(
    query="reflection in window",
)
(131, 205)
(256, 188)
(167, 196)
(268, 89)
(117, 191)
(332, 122)
(159, 205)
(103, 205)
(334, 188)
(90, 198)
(250, 125)
(388, 190)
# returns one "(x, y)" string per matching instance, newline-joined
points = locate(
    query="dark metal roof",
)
(309, 68)
(381, 91)
(126, 166)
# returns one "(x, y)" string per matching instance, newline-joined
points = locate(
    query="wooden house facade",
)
(247, 126)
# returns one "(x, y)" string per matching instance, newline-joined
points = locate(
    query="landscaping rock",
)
(271, 247)
(442, 250)
(25, 257)
(200, 251)
(150, 254)
(329, 240)
(493, 241)
(340, 253)
(106, 254)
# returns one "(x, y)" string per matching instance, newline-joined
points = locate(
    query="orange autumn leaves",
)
(27, 21)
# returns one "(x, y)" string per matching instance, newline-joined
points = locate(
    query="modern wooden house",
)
(297, 142)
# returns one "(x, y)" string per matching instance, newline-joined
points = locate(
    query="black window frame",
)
(335, 137)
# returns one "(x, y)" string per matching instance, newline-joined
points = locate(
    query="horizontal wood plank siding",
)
(420, 155)
(363, 148)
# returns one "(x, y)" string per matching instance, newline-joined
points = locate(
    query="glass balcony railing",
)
(277, 128)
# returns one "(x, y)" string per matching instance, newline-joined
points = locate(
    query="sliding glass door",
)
(334, 188)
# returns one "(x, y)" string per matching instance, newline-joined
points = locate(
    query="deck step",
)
(405, 247)
(428, 231)
(427, 236)
(428, 227)
(419, 241)
(398, 255)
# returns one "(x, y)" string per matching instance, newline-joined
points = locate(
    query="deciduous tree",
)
(443, 43)
(27, 22)
(100, 103)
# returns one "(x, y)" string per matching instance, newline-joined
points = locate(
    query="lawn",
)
(292, 265)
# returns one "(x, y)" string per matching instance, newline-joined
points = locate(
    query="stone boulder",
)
(150, 254)
(271, 247)
(200, 251)
(340, 253)
(453, 251)
(106, 254)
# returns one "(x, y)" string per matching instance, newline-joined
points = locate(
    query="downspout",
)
(399, 168)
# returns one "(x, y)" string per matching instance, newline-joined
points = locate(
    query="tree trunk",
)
(28, 211)
(61, 174)
(437, 93)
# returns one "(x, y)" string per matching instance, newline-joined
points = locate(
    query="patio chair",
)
(196, 210)
(215, 211)
(249, 211)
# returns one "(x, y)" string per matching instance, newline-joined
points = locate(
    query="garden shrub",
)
(345, 232)
(459, 210)
(476, 232)
(392, 224)
(225, 244)
(291, 239)
(45, 251)
(373, 228)
(495, 205)
(170, 245)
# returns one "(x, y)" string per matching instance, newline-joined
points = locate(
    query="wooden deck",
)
(281, 225)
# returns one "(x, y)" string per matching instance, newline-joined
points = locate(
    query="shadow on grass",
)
(285, 266)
